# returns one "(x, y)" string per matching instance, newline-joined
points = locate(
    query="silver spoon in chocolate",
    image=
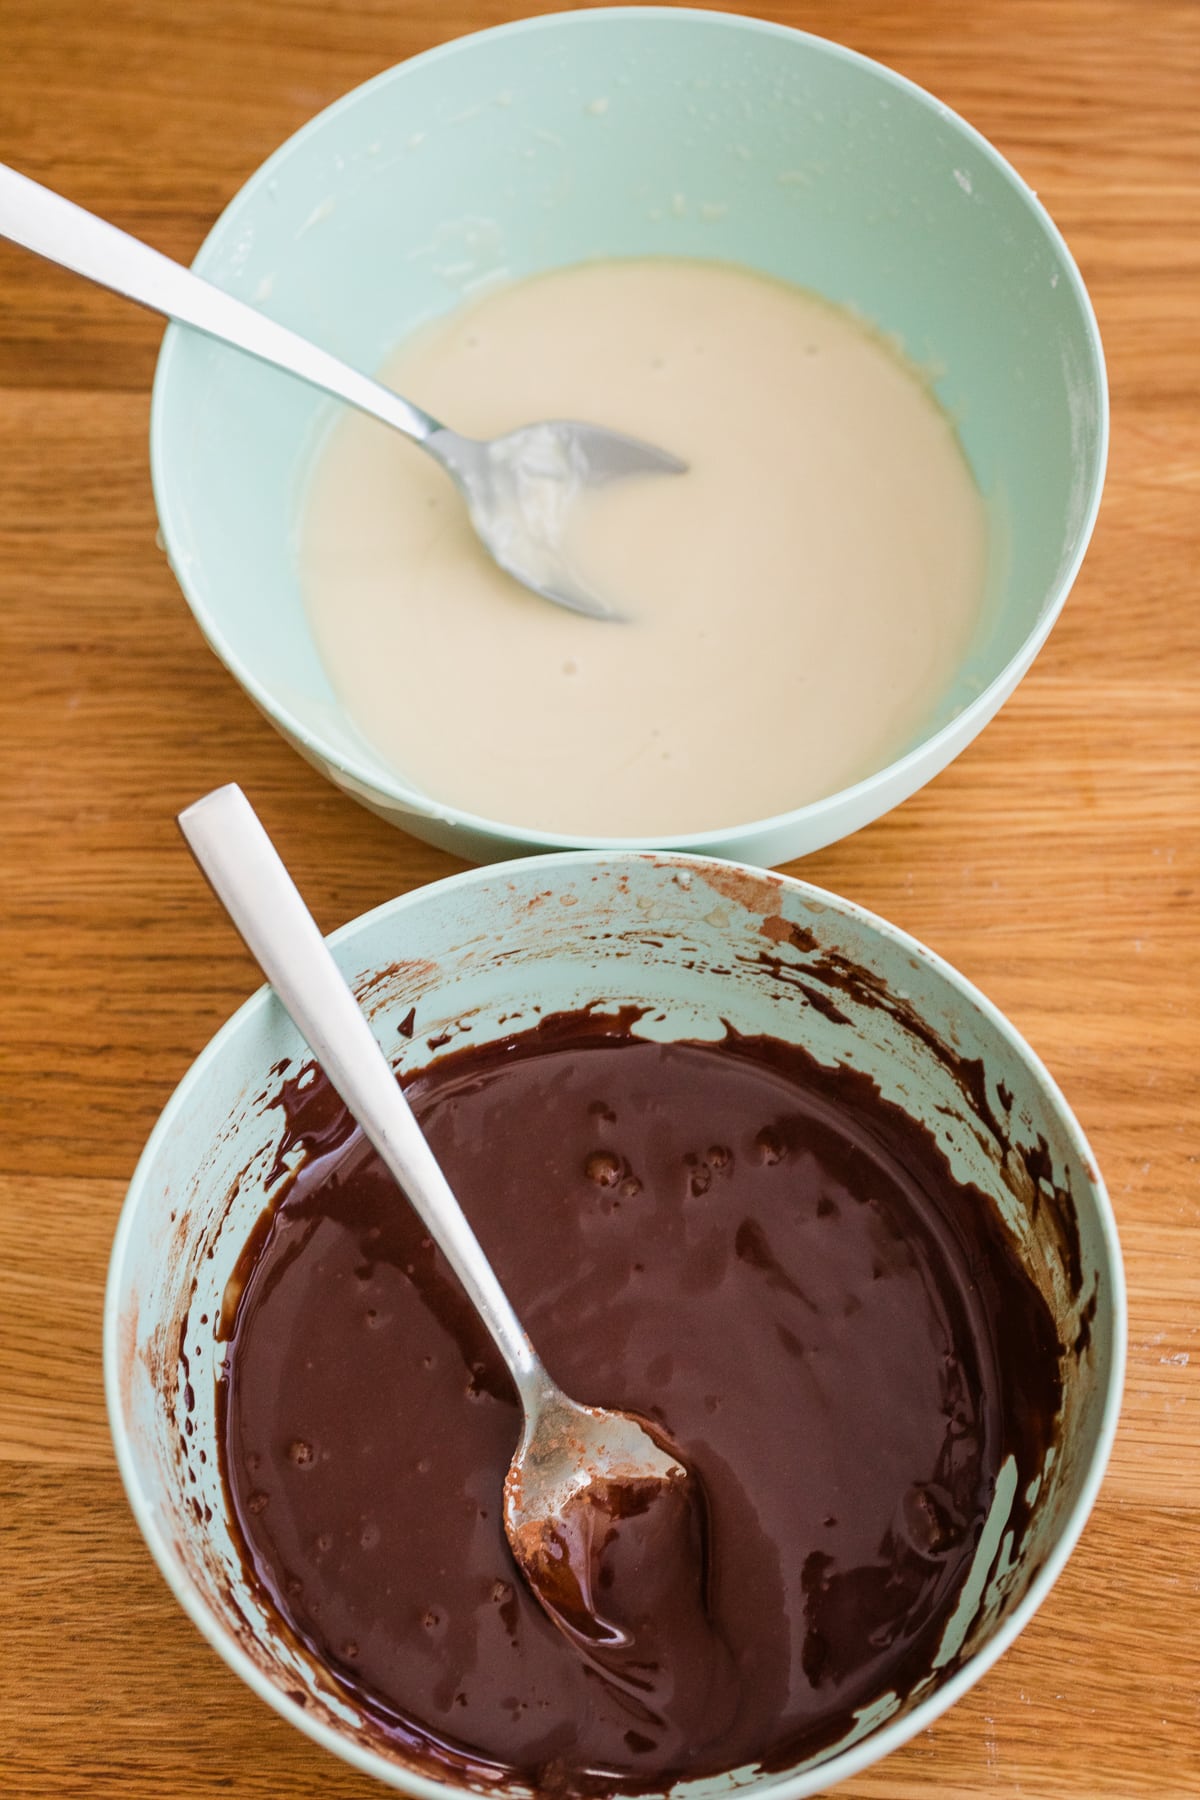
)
(574, 1465)
(520, 489)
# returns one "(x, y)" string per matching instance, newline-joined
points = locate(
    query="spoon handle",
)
(51, 226)
(231, 846)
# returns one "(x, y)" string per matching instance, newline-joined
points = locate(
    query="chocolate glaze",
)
(757, 1254)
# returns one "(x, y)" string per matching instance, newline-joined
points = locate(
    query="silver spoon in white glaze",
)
(572, 1461)
(520, 489)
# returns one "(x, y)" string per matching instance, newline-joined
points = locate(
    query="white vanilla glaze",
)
(799, 602)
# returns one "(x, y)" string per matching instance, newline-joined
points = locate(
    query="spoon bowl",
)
(521, 490)
(577, 1471)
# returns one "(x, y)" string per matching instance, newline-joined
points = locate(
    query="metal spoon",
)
(519, 488)
(567, 1453)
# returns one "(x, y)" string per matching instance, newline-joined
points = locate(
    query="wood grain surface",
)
(1057, 862)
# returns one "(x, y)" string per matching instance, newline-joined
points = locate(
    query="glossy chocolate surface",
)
(755, 1253)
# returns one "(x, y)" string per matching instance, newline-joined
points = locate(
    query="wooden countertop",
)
(1057, 862)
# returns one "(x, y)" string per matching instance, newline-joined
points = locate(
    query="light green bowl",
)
(684, 938)
(630, 132)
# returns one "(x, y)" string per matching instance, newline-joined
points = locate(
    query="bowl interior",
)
(609, 134)
(697, 943)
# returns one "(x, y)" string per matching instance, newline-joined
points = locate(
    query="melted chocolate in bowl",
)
(756, 1253)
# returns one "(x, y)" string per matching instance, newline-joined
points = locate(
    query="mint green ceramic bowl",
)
(630, 132)
(683, 938)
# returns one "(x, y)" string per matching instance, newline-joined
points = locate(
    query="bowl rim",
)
(387, 788)
(890, 1735)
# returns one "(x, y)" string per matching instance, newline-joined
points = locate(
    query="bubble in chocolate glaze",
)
(603, 1167)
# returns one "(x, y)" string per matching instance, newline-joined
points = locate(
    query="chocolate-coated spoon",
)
(520, 488)
(573, 1462)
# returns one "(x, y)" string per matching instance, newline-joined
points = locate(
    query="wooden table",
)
(1057, 862)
